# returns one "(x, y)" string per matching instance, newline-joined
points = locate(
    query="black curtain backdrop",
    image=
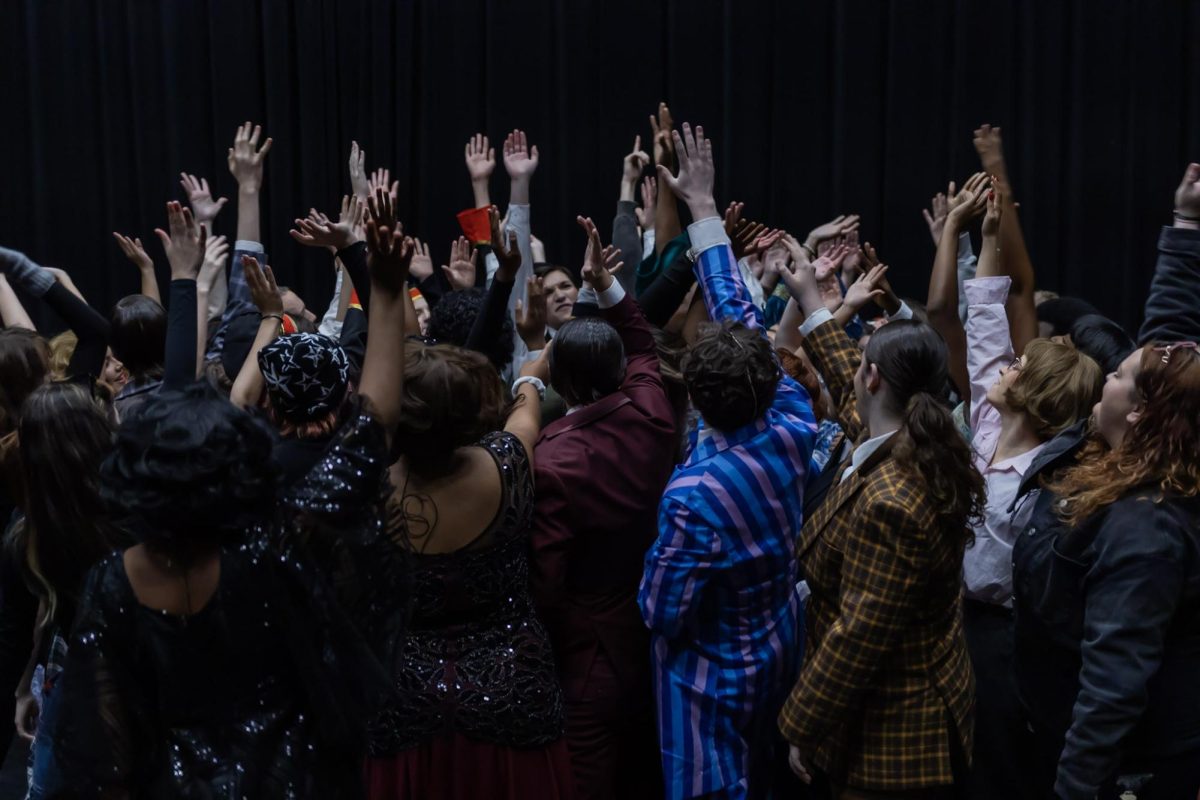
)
(816, 108)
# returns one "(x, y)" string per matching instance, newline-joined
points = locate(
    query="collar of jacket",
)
(1053, 455)
(586, 415)
(839, 494)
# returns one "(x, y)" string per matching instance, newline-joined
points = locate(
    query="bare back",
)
(449, 513)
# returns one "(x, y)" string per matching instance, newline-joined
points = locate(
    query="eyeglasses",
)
(1016, 364)
(1166, 350)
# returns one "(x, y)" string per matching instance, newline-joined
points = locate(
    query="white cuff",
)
(248, 246)
(903, 312)
(815, 320)
(706, 234)
(647, 244)
(614, 294)
(965, 253)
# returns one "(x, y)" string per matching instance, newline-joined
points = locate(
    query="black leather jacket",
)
(1107, 653)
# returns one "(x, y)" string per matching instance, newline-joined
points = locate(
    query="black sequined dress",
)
(266, 691)
(478, 710)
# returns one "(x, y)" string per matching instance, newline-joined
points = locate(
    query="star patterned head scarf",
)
(306, 375)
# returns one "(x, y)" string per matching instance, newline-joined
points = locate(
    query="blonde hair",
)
(62, 347)
(1057, 386)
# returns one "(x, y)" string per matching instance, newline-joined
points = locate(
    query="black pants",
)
(998, 766)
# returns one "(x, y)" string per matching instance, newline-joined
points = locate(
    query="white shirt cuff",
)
(815, 320)
(903, 312)
(706, 234)
(647, 244)
(614, 294)
(987, 291)
(248, 246)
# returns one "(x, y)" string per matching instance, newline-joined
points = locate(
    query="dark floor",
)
(12, 773)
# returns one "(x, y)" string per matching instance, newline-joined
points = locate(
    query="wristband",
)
(535, 382)
(272, 316)
(812, 254)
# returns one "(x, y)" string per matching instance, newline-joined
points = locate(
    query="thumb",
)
(666, 177)
(221, 203)
(1193, 173)
(163, 237)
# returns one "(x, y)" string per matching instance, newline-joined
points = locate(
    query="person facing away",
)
(477, 709)
(884, 702)
(600, 472)
(719, 592)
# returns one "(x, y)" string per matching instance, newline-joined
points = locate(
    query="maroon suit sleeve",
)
(550, 540)
(643, 382)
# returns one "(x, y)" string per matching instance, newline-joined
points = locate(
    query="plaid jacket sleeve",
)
(885, 561)
(836, 357)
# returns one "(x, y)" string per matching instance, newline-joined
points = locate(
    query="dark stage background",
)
(816, 108)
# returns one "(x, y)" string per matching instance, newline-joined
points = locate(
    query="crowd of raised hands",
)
(225, 323)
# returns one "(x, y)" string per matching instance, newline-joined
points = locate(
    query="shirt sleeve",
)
(966, 271)
(725, 293)
(678, 566)
(989, 349)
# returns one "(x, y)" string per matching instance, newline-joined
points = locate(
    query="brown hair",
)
(1057, 387)
(1159, 450)
(912, 358)
(24, 364)
(731, 374)
(452, 398)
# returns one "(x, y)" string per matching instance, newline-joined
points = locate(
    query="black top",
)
(1108, 636)
(475, 659)
(267, 690)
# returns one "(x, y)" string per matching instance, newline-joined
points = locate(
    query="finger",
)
(928, 217)
(689, 140)
(667, 178)
(266, 148)
(654, 124)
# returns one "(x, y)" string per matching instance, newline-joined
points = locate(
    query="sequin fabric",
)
(267, 690)
(474, 658)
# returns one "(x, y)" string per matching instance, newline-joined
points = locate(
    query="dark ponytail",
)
(911, 357)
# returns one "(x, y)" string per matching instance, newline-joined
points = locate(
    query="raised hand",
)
(480, 157)
(645, 214)
(1187, 198)
(635, 162)
(890, 302)
(991, 150)
(184, 244)
(422, 263)
(389, 251)
(970, 202)
(380, 179)
(133, 250)
(796, 251)
(836, 227)
(852, 266)
(800, 279)
(520, 160)
(991, 220)
(505, 250)
(358, 172)
(694, 185)
(599, 264)
(660, 128)
(460, 272)
(319, 231)
(204, 208)
(263, 289)
(537, 248)
(935, 215)
(867, 289)
(246, 157)
(216, 250)
(530, 316)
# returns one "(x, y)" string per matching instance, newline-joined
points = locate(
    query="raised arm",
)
(343, 238)
(12, 313)
(389, 255)
(246, 165)
(942, 304)
(133, 250)
(205, 211)
(520, 161)
(666, 210)
(248, 386)
(481, 162)
(185, 246)
(216, 252)
(1173, 305)
(489, 323)
(1014, 257)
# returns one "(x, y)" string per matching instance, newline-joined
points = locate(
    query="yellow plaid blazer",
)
(886, 680)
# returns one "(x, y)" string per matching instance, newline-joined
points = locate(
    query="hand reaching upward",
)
(184, 244)
(389, 251)
(204, 208)
(319, 231)
(520, 160)
(358, 172)
(246, 157)
(263, 289)
(696, 172)
(660, 129)
(645, 214)
(991, 151)
(216, 251)
(133, 250)
(599, 264)
(1187, 198)
(382, 179)
(422, 262)
(506, 250)
(480, 157)
(460, 272)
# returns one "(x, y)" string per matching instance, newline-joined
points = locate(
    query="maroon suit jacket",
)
(599, 475)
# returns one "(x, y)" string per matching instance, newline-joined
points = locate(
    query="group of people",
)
(714, 514)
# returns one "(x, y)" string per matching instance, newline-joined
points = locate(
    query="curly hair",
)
(731, 374)
(452, 398)
(1056, 387)
(1159, 449)
(911, 357)
(451, 319)
(188, 469)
